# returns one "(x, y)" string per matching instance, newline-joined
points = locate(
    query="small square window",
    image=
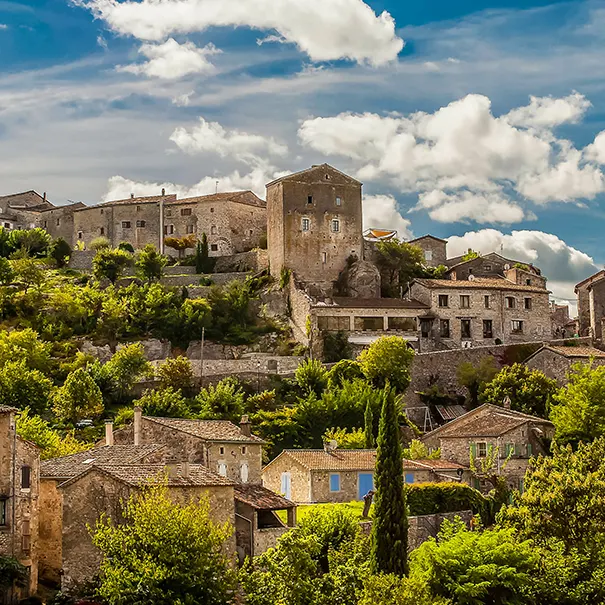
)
(409, 477)
(214, 247)
(528, 304)
(213, 230)
(509, 302)
(335, 225)
(528, 282)
(125, 224)
(138, 208)
(486, 301)
(338, 201)
(516, 326)
(141, 224)
(481, 449)
(428, 255)
(488, 330)
(306, 224)
(211, 209)
(185, 211)
(335, 482)
(26, 473)
(309, 199)
(168, 213)
(444, 300)
(465, 301)
(221, 451)
(189, 229)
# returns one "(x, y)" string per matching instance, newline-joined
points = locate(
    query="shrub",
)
(99, 243)
(60, 251)
(344, 370)
(284, 277)
(388, 360)
(110, 264)
(176, 373)
(126, 246)
(151, 263)
(78, 398)
(336, 346)
(312, 376)
(225, 401)
(167, 403)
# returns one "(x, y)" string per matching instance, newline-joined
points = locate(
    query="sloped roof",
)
(239, 197)
(583, 352)
(210, 430)
(485, 421)
(314, 168)
(67, 467)
(5, 409)
(148, 199)
(30, 199)
(380, 234)
(260, 497)
(598, 276)
(479, 283)
(369, 303)
(417, 239)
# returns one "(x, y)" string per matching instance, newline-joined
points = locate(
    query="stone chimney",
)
(132, 196)
(138, 420)
(245, 425)
(172, 467)
(44, 197)
(108, 432)
(506, 402)
(185, 469)
(163, 192)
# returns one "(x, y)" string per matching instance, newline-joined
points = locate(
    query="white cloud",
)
(3, 26)
(548, 112)
(212, 137)
(183, 100)
(171, 60)
(596, 150)
(465, 162)
(563, 265)
(326, 30)
(380, 212)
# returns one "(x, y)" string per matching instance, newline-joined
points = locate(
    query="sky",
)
(479, 122)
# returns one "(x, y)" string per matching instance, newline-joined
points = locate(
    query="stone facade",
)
(591, 305)
(314, 224)
(19, 493)
(434, 249)
(488, 265)
(557, 362)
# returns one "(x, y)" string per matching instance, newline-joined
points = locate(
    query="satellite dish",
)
(471, 277)
(506, 267)
(333, 444)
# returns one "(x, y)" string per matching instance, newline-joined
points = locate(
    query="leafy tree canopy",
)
(150, 263)
(388, 360)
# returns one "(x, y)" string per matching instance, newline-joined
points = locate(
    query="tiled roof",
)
(211, 430)
(599, 275)
(485, 421)
(323, 166)
(149, 199)
(260, 497)
(240, 197)
(67, 467)
(417, 239)
(576, 351)
(379, 303)
(434, 465)
(478, 284)
(5, 409)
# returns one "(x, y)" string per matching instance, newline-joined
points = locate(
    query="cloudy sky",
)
(482, 122)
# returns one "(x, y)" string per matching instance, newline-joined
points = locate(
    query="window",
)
(334, 482)
(7, 225)
(488, 330)
(138, 208)
(368, 323)
(444, 300)
(125, 224)
(481, 449)
(324, 257)
(465, 328)
(101, 210)
(189, 229)
(213, 230)
(333, 323)
(58, 222)
(428, 255)
(306, 224)
(141, 224)
(214, 247)
(465, 301)
(529, 450)
(509, 302)
(486, 301)
(425, 327)
(404, 324)
(409, 477)
(222, 469)
(510, 449)
(243, 472)
(250, 233)
(516, 326)
(80, 235)
(170, 229)
(221, 451)
(26, 473)
(211, 209)
(444, 328)
(309, 199)
(3, 512)
(338, 201)
(26, 536)
(185, 211)
(168, 213)
(102, 231)
(528, 282)
(244, 450)
(335, 225)
(45, 224)
(528, 304)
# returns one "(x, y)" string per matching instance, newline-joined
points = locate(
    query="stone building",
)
(563, 326)
(516, 437)
(482, 311)
(314, 224)
(591, 305)
(307, 476)
(556, 361)
(233, 222)
(487, 265)
(19, 491)
(435, 249)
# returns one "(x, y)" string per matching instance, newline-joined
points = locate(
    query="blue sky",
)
(427, 103)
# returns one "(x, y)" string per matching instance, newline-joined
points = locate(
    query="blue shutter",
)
(335, 482)
(409, 477)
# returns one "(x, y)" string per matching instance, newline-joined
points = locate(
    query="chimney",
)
(185, 469)
(44, 197)
(138, 416)
(108, 432)
(506, 402)
(132, 196)
(244, 426)
(163, 192)
(172, 467)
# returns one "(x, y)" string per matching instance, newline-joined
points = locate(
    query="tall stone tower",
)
(314, 224)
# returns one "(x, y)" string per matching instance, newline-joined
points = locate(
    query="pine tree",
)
(390, 526)
(369, 427)
(202, 261)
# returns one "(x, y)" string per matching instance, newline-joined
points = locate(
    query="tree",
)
(110, 264)
(151, 263)
(475, 377)
(225, 401)
(388, 360)
(6, 271)
(60, 251)
(5, 245)
(127, 367)
(203, 262)
(181, 243)
(578, 411)
(22, 387)
(529, 390)
(176, 372)
(470, 255)
(24, 345)
(100, 243)
(344, 370)
(32, 242)
(419, 451)
(399, 262)
(311, 376)
(78, 398)
(167, 402)
(368, 419)
(165, 553)
(28, 272)
(477, 567)
(390, 526)
(346, 440)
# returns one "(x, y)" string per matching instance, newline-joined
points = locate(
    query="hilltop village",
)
(243, 352)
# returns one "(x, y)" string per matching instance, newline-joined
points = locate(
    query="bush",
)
(110, 264)
(176, 373)
(60, 251)
(336, 346)
(388, 360)
(225, 401)
(344, 370)
(99, 243)
(78, 398)
(150, 263)
(167, 403)
(312, 376)
(126, 246)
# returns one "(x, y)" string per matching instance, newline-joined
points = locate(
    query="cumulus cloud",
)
(325, 30)
(171, 60)
(466, 163)
(596, 150)
(563, 265)
(381, 212)
(212, 137)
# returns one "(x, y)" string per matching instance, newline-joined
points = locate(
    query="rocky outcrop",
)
(362, 280)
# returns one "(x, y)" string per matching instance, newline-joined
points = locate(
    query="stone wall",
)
(300, 478)
(597, 308)
(81, 260)
(300, 309)
(267, 538)
(434, 250)
(253, 260)
(557, 366)
(51, 531)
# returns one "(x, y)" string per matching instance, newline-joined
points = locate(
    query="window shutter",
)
(529, 449)
(490, 446)
(474, 450)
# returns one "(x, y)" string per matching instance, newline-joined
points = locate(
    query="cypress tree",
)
(390, 525)
(368, 430)
(202, 256)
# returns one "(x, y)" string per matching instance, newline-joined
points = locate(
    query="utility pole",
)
(202, 357)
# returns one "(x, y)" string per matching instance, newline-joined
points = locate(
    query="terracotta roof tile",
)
(67, 467)
(379, 303)
(211, 430)
(585, 352)
(479, 283)
(6, 409)
(260, 497)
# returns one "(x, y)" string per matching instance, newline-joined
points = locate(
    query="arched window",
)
(243, 472)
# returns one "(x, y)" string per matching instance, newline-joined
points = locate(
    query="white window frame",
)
(338, 200)
(335, 225)
(305, 224)
(480, 445)
(222, 468)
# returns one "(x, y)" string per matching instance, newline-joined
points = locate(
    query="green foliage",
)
(78, 398)
(521, 266)
(474, 568)
(284, 278)
(475, 377)
(50, 442)
(344, 370)
(12, 573)
(176, 372)
(22, 387)
(110, 264)
(232, 319)
(60, 251)
(390, 526)
(5, 246)
(529, 390)
(399, 262)
(347, 440)
(6, 271)
(312, 376)
(165, 553)
(265, 400)
(32, 242)
(203, 262)
(24, 345)
(387, 361)
(99, 243)
(225, 401)
(126, 246)
(578, 410)
(336, 346)
(28, 272)
(470, 255)
(419, 451)
(126, 367)
(389, 589)
(167, 403)
(150, 263)
(368, 424)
